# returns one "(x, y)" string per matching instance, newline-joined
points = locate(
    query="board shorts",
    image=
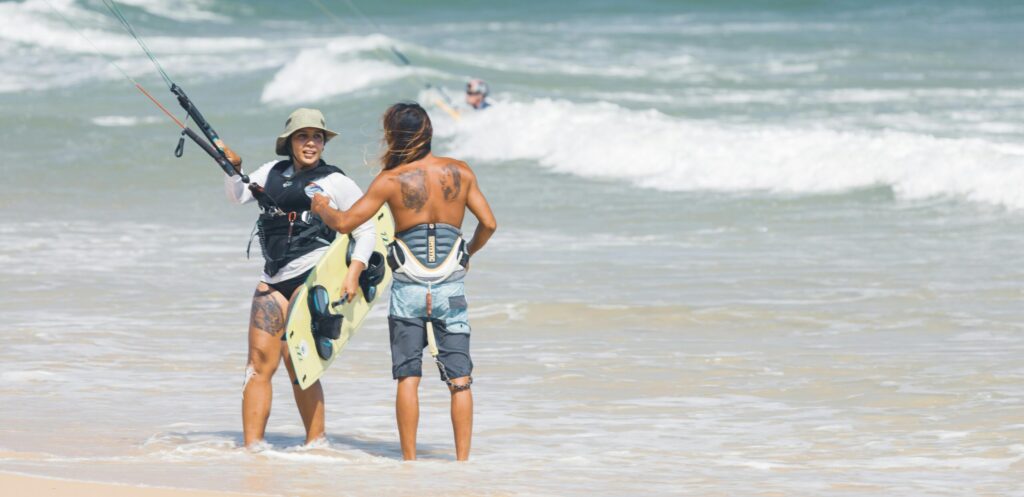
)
(407, 323)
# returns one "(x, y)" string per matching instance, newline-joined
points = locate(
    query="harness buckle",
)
(291, 224)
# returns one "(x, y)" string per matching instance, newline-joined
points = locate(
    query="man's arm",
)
(364, 208)
(486, 224)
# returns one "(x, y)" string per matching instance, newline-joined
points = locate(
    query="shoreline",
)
(19, 484)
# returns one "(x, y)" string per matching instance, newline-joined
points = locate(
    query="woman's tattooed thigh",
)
(266, 314)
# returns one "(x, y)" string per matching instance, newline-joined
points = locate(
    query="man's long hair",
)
(407, 134)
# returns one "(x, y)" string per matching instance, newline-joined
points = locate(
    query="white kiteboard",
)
(329, 273)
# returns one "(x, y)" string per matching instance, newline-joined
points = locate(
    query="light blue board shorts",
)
(407, 323)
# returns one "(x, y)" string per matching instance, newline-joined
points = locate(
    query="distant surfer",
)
(476, 94)
(292, 242)
(428, 196)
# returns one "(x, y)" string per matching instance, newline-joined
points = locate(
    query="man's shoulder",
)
(388, 174)
(387, 179)
(449, 162)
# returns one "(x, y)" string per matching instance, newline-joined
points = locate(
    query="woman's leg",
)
(266, 324)
(309, 401)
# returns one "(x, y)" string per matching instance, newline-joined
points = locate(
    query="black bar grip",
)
(193, 112)
(217, 155)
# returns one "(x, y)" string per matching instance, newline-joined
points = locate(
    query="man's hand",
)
(233, 158)
(320, 204)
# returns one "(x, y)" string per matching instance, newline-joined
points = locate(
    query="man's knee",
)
(408, 383)
(408, 380)
(461, 384)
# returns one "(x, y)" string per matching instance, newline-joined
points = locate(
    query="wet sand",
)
(19, 485)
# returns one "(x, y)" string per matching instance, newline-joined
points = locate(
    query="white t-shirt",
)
(340, 189)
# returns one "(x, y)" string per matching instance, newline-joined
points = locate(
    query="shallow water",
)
(743, 250)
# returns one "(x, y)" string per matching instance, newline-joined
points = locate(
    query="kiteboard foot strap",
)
(325, 325)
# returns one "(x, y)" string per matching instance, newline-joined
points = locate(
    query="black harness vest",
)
(286, 230)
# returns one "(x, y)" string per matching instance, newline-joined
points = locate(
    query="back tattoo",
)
(414, 189)
(451, 181)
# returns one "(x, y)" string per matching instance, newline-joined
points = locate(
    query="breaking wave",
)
(653, 150)
(343, 66)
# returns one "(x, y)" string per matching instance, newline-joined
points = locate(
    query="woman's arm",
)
(234, 189)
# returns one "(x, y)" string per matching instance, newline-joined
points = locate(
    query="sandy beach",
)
(16, 485)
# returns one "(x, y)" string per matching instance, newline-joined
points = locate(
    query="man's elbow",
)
(490, 225)
(342, 228)
(335, 224)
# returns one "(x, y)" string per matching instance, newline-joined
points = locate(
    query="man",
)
(476, 94)
(428, 197)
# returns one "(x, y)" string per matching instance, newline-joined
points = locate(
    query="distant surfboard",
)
(330, 273)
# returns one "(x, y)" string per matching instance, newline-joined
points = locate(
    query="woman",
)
(292, 242)
(428, 196)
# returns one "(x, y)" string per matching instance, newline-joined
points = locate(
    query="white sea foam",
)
(533, 64)
(115, 121)
(28, 376)
(917, 462)
(702, 29)
(34, 23)
(320, 73)
(41, 50)
(788, 97)
(33, 30)
(311, 78)
(653, 150)
(21, 73)
(179, 10)
(674, 24)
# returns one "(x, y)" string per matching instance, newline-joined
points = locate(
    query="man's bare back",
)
(430, 190)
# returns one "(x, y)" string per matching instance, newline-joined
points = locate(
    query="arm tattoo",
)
(451, 181)
(414, 189)
(266, 314)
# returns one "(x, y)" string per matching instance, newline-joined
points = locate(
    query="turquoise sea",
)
(745, 248)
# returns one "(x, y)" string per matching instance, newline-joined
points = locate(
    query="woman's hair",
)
(407, 134)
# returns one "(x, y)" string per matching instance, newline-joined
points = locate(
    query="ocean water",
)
(745, 248)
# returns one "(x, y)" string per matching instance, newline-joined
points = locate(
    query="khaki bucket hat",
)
(302, 118)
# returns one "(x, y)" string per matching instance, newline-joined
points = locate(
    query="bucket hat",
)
(302, 118)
